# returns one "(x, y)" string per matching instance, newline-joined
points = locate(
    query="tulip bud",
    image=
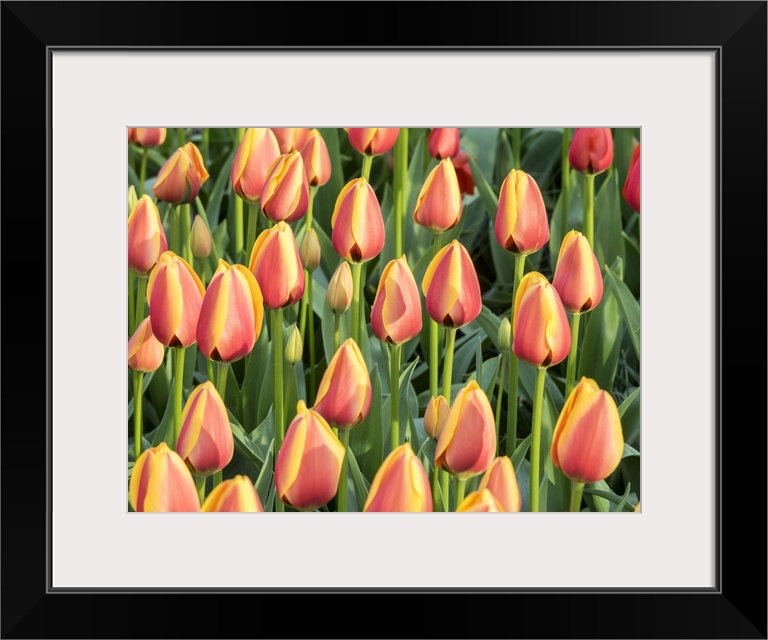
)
(344, 395)
(481, 500)
(231, 314)
(631, 188)
(358, 226)
(339, 294)
(149, 137)
(438, 207)
(501, 481)
(504, 336)
(577, 279)
(257, 151)
(317, 162)
(451, 287)
(236, 494)
(200, 239)
(285, 195)
(309, 463)
(588, 441)
(521, 219)
(146, 236)
(373, 142)
(145, 352)
(133, 199)
(290, 139)
(435, 416)
(464, 173)
(396, 312)
(542, 335)
(309, 251)
(467, 443)
(294, 347)
(175, 296)
(160, 481)
(591, 150)
(276, 264)
(205, 441)
(400, 484)
(443, 143)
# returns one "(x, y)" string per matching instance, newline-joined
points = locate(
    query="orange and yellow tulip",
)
(317, 162)
(400, 484)
(358, 226)
(231, 314)
(276, 264)
(451, 287)
(175, 295)
(181, 177)
(396, 312)
(521, 220)
(339, 294)
(631, 188)
(160, 481)
(481, 500)
(309, 463)
(591, 150)
(257, 151)
(290, 138)
(236, 494)
(146, 237)
(577, 279)
(438, 207)
(501, 481)
(145, 352)
(285, 195)
(373, 142)
(443, 143)
(150, 137)
(344, 395)
(435, 416)
(588, 441)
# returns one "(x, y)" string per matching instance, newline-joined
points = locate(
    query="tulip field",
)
(383, 319)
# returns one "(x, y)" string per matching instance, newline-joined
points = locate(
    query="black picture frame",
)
(736, 608)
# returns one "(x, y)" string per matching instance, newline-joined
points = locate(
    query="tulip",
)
(438, 207)
(175, 296)
(148, 137)
(396, 312)
(504, 334)
(400, 484)
(131, 134)
(181, 177)
(481, 500)
(236, 494)
(464, 173)
(258, 149)
(521, 219)
(443, 143)
(501, 481)
(339, 294)
(309, 462)
(317, 162)
(277, 266)
(358, 226)
(591, 150)
(309, 250)
(373, 142)
(290, 139)
(577, 279)
(200, 240)
(160, 481)
(344, 395)
(145, 352)
(205, 443)
(294, 346)
(435, 416)
(146, 237)
(467, 443)
(631, 189)
(231, 314)
(285, 195)
(451, 287)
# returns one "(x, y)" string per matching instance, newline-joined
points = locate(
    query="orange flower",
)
(146, 237)
(290, 139)
(145, 352)
(577, 279)
(160, 481)
(443, 143)
(501, 481)
(438, 207)
(236, 494)
(148, 137)
(181, 176)
(400, 484)
(358, 226)
(481, 500)
(521, 219)
(317, 162)
(396, 312)
(435, 416)
(344, 395)
(451, 287)
(276, 264)
(373, 142)
(285, 195)
(257, 151)
(591, 150)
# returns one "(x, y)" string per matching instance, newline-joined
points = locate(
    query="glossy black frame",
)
(32, 30)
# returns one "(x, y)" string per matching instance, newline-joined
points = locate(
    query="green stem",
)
(400, 182)
(138, 383)
(450, 341)
(354, 327)
(366, 169)
(499, 396)
(303, 310)
(435, 487)
(513, 364)
(253, 226)
(570, 375)
(341, 496)
(538, 401)
(131, 302)
(565, 182)
(141, 295)
(176, 230)
(277, 347)
(236, 227)
(445, 481)
(336, 323)
(209, 366)
(434, 380)
(291, 390)
(577, 488)
(221, 380)
(517, 148)
(460, 492)
(589, 208)
(178, 387)
(206, 146)
(143, 171)
(180, 137)
(218, 476)
(394, 371)
(200, 485)
(186, 235)
(311, 318)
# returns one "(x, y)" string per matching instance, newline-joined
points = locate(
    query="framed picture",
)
(689, 77)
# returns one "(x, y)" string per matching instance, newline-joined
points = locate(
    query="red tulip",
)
(400, 484)
(577, 279)
(146, 237)
(373, 142)
(290, 139)
(396, 312)
(317, 162)
(145, 352)
(443, 143)
(521, 220)
(451, 287)
(236, 494)
(277, 266)
(160, 481)
(358, 226)
(464, 173)
(591, 150)
(438, 207)
(501, 481)
(344, 396)
(181, 176)
(631, 189)
(257, 151)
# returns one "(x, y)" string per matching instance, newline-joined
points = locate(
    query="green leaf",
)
(608, 224)
(360, 486)
(164, 431)
(220, 186)
(265, 481)
(249, 449)
(608, 496)
(256, 366)
(629, 411)
(628, 306)
(480, 144)
(367, 438)
(489, 323)
(325, 199)
(598, 494)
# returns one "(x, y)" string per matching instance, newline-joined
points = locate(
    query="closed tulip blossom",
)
(501, 481)
(631, 188)
(481, 500)
(309, 462)
(160, 481)
(467, 443)
(285, 195)
(435, 416)
(438, 206)
(205, 443)
(181, 177)
(577, 279)
(290, 138)
(200, 240)
(175, 296)
(591, 150)
(396, 312)
(317, 161)
(233, 495)
(146, 237)
(309, 251)
(344, 395)
(451, 287)
(588, 441)
(443, 143)
(258, 149)
(400, 484)
(150, 137)
(339, 294)
(276, 264)
(521, 220)
(358, 226)
(231, 314)
(374, 141)
(464, 173)
(145, 352)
